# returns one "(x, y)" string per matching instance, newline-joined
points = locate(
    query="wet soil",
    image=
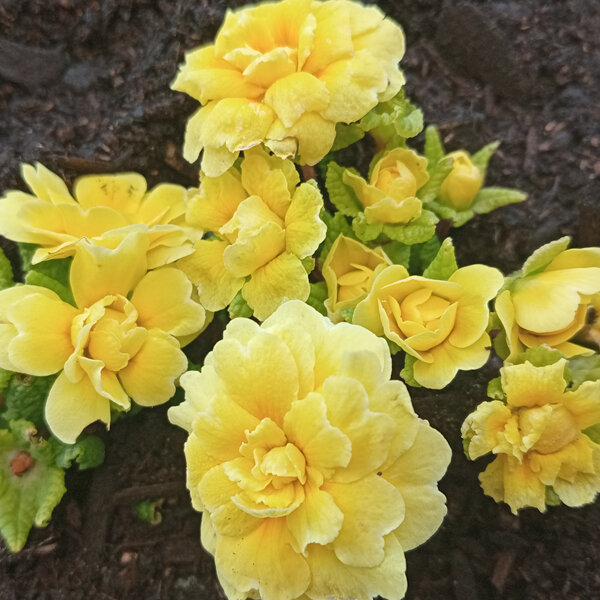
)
(84, 88)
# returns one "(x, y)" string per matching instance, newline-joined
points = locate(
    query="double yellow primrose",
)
(550, 304)
(266, 224)
(537, 435)
(103, 209)
(440, 323)
(284, 73)
(390, 196)
(120, 342)
(310, 467)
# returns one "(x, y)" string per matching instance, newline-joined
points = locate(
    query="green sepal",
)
(434, 147)
(29, 498)
(444, 263)
(407, 373)
(593, 433)
(584, 368)
(491, 198)
(347, 313)
(540, 356)
(308, 262)
(239, 307)
(482, 157)
(6, 272)
(25, 397)
(87, 452)
(544, 255)
(317, 297)
(336, 225)
(149, 511)
(398, 253)
(494, 389)
(346, 135)
(499, 341)
(552, 498)
(437, 173)
(38, 278)
(340, 195)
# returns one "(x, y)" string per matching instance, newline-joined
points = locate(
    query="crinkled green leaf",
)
(494, 389)
(422, 254)
(407, 372)
(340, 195)
(6, 272)
(593, 433)
(444, 264)
(434, 147)
(87, 452)
(481, 158)
(490, 198)
(437, 173)
(336, 225)
(544, 255)
(540, 356)
(458, 217)
(57, 269)
(398, 253)
(5, 377)
(239, 307)
(366, 232)
(317, 296)
(28, 498)
(25, 397)
(346, 135)
(417, 231)
(37, 278)
(584, 368)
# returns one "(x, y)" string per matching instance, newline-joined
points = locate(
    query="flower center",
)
(559, 429)
(401, 177)
(355, 282)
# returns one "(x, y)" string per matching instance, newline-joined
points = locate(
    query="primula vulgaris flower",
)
(284, 73)
(111, 346)
(548, 301)
(462, 184)
(441, 323)
(103, 209)
(390, 196)
(266, 224)
(537, 435)
(310, 467)
(348, 271)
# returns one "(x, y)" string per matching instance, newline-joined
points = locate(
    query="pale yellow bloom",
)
(311, 469)
(462, 184)
(441, 323)
(348, 271)
(391, 194)
(284, 73)
(537, 437)
(266, 223)
(103, 209)
(549, 306)
(120, 342)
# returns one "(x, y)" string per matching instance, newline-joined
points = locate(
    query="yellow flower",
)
(348, 271)
(441, 323)
(310, 467)
(284, 73)
(462, 184)
(390, 196)
(549, 305)
(537, 437)
(103, 209)
(266, 223)
(109, 348)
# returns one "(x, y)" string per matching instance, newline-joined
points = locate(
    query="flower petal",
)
(304, 230)
(526, 385)
(122, 192)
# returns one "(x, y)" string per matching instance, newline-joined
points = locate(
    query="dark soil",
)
(84, 88)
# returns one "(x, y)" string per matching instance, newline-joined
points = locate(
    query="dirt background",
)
(84, 88)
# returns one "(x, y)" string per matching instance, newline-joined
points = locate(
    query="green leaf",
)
(308, 263)
(239, 307)
(37, 278)
(494, 389)
(317, 297)
(87, 452)
(584, 368)
(336, 225)
(434, 147)
(490, 198)
(6, 272)
(30, 485)
(25, 397)
(417, 231)
(57, 269)
(407, 372)
(545, 254)
(431, 190)
(422, 255)
(5, 377)
(366, 232)
(149, 511)
(346, 135)
(540, 356)
(593, 433)
(340, 195)
(444, 264)
(482, 157)
(398, 253)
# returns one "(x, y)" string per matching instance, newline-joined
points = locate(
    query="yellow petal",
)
(584, 404)
(122, 192)
(576, 258)
(372, 508)
(389, 210)
(304, 230)
(198, 464)
(163, 301)
(194, 139)
(479, 280)
(269, 67)
(284, 278)
(150, 376)
(216, 159)
(506, 313)
(526, 385)
(71, 407)
(522, 487)
(163, 204)
(45, 184)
